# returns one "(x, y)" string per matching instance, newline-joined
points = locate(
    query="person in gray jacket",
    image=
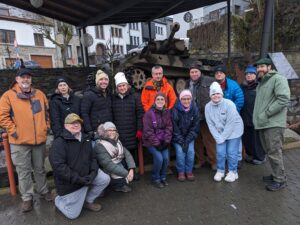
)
(269, 118)
(226, 126)
(114, 158)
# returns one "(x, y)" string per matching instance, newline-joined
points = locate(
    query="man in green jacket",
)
(269, 118)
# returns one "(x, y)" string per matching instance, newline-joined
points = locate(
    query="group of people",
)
(96, 137)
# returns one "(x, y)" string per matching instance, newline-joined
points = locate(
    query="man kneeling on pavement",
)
(78, 179)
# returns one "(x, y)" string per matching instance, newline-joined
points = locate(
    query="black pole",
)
(86, 51)
(265, 40)
(149, 29)
(273, 29)
(228, 30)
(81, 47)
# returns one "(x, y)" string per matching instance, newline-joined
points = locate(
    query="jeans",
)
(71, 204)
(160, 163)
(240, 152)
(228, 150)
(184, 160)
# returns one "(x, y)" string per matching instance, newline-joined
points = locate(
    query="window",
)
(38, 39)
(7, 36)
(134, 26)
(99, 32)
(118, 49)
(116, 32)
(237, 9)
(78, 48)
(68, 52)
(138, 40)
(4, 12)
(131, 40)
(158, 30)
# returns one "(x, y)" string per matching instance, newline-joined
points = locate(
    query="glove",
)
(91, 135)
(185, 147)
(139, 134)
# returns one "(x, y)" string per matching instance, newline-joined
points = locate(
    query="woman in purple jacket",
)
(157, 136)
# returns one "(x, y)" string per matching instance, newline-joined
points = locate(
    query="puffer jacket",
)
(273, 96)
(127, 116)
(201, 92)
(164, 124)
(60, 107)
(25, 117)
(95, 108)
(72, 160)
(186, 124)
(234, 93)
(149, 92)
(105, 160)
(247, 110)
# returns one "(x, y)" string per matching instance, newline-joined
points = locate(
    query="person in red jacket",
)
(158, 83)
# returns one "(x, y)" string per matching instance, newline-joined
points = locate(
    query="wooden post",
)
(9, 165)
(141, 158)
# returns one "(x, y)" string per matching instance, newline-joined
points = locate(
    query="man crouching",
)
(78, 179)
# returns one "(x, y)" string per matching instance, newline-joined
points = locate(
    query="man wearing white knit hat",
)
(127, 114)
(96, 104)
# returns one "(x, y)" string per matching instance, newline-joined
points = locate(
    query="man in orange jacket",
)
(158, 83)
(24, 115)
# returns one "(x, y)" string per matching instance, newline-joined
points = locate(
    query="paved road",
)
(204, 201)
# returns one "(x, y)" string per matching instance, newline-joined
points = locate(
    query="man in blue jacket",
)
(233, 92)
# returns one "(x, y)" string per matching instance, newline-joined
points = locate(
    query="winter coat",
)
(24, 117)
(60, 107)
(105, 160)
(201, 92)
(72, 160)
(149, 92)
(273, 96)
(234, 93)
(95, 108)
(186, 125)
(164, 125)
(247, 110)
(127, 116)
(223, 120)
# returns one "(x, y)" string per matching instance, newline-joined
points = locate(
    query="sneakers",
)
(190, 177)
(231, 176)
(275, 186)
(48, 196)
(164, 182)
(259, 162)
(94, 207)
(27, 206)
(181, 177)
(218, 176)
(157, 184)
(125, 188)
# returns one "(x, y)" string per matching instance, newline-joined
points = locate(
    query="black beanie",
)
(59, 80)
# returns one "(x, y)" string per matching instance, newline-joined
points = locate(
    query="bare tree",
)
(63, 29)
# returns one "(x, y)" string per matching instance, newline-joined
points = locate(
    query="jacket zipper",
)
(34, 128)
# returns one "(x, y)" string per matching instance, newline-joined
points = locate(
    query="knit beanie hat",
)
(23, 71)
(221, 68)
(185, 92)
(59, 80)
(99, 75)
(215, 88)
(105, 126)
(120, 78)
(250, 69)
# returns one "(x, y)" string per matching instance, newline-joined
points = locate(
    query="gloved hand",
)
(91, 135)
(185, 147)
(139, 134)
(86, 180)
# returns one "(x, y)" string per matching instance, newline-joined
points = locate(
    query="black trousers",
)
(119, 182)
(253, 144)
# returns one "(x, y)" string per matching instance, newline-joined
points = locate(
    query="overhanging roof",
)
(97, 12)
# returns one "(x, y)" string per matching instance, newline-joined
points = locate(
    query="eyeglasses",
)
(112, 130)
(186, 99)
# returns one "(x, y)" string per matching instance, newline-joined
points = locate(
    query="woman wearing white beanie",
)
(226, 126)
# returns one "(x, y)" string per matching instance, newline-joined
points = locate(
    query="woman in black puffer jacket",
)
(62, 103)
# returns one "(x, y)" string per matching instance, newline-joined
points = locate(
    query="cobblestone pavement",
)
(201, 202)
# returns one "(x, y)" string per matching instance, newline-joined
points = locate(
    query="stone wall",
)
(45, 79)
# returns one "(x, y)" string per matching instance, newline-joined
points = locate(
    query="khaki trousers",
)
(27, 158)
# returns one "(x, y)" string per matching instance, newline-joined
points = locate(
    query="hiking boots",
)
(94, 207)
(164, 182)
(275, 186)
(48, 196)
(27, 206)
